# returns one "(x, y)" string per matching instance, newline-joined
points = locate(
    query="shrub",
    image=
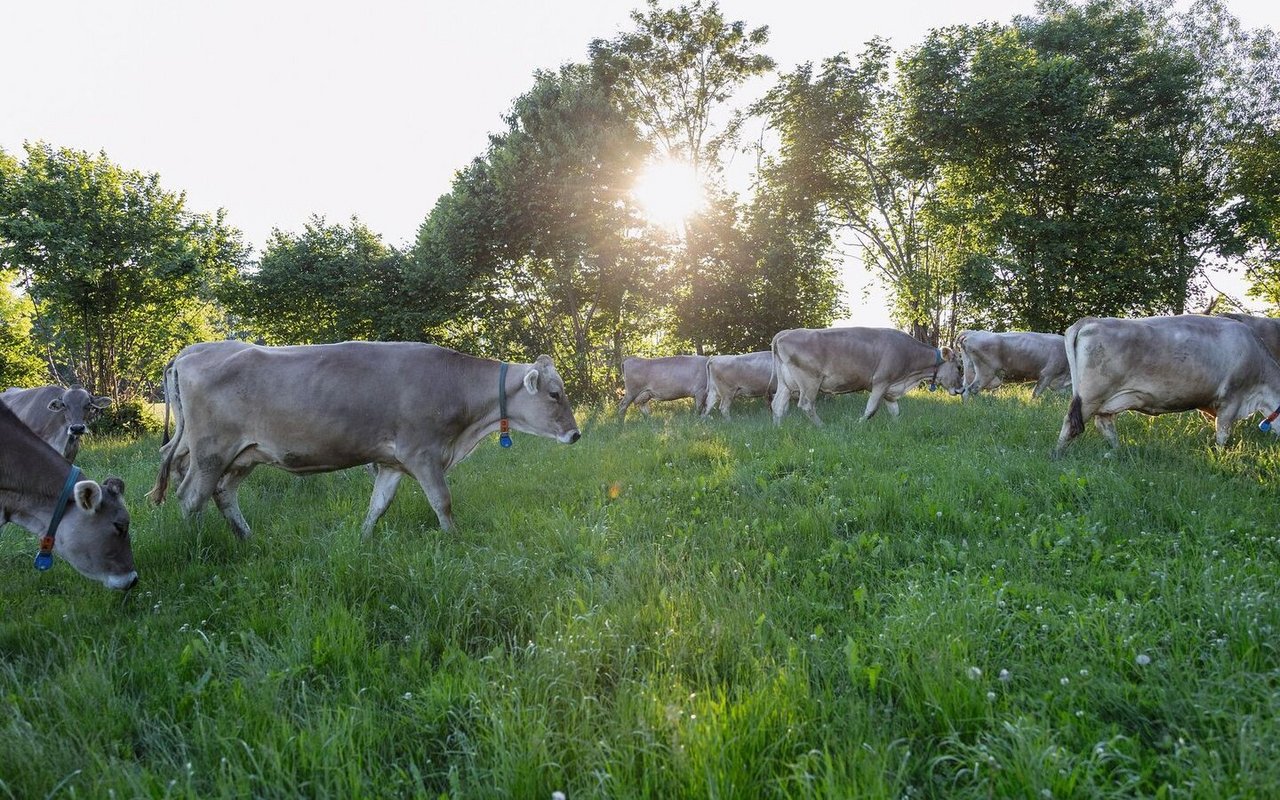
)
(132, 418)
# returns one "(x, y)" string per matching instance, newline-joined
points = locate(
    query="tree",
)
(840, 160)
(120, 274)
(20, 363)
(541, 232)
(1061, 148)
(330, 283)
(676, 70)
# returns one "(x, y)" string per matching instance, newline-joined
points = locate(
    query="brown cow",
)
(93, 535)
(748, 375)
(407, 407)
(991, 359)
(667, 378)
(885, 361)
(59, 416)
(1163, 365)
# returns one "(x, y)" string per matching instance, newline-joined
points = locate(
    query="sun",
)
(670, 191)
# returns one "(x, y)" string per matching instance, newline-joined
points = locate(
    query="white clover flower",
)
(557, 795)
(991, 696)
(1064, 680)
(1142, 659)
(1005, 676)
(407, 696)
(974, 673)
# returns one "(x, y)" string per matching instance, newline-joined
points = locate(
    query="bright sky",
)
(279, 109)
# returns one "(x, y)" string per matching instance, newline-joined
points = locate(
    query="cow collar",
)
(504, 426)
(44, 558)
(1265, 425)
(933, 382)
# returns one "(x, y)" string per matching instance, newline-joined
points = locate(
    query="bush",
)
(132, 418)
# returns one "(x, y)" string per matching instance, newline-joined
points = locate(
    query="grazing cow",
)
(749, 375)
(407, 407)
(93, 533)
(667, 378)
(1267, 329)
(885, 361)
(991, 359)
(1163, 365)
(59, 416)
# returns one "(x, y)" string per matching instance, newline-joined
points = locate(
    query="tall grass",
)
(921, 607)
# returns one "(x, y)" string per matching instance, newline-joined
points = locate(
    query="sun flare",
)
(670, 191)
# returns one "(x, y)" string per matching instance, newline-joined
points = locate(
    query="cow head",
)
(77, 407)
(542, 407)
(950, 374)
(94, 534)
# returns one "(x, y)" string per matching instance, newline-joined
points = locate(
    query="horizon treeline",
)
(1094, 158)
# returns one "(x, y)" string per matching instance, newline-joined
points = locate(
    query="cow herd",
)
(419, 409)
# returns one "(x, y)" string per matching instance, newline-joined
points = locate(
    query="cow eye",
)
(555, 396)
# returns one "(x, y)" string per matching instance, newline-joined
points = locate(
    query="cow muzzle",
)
(570, 437)
(121, 583)
(76, 430)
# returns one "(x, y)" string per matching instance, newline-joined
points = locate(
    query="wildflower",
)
(557, 796)
(407, 695)
(1142, 659)
(1005, 676)
(1064, 680)
(974, 673)
(991, 696)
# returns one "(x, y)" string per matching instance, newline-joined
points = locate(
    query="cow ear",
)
(946, 353)
(543, 360)
(101, 402)
(531, 381)
(88, 495)
(114, 485)
(56, 404)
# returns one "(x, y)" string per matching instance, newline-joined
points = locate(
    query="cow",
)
(666, 378)
(407, 407)
(991, 359)
(1163, 365)
(885, 361)
(59, 416)
(93, 534)
(749, 375)
(1267, 329)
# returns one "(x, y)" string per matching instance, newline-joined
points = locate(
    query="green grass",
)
(922, 607)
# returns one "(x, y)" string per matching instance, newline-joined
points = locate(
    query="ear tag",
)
(504, 433)
(1265, 426)
(44, 558)
(933, 386)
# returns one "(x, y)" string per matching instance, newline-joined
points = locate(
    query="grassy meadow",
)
(920, 607)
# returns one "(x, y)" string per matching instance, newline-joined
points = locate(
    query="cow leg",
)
(430, 476)
(385, 482)
(627, 400)
(1040, 387)
(700, 402)
(1106, 425)
(1222, 426)
(892, 407)
(873, 402)
(807, 403)
(227, 498)
(726, 400)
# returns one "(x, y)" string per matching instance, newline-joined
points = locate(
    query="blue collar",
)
(44, 559)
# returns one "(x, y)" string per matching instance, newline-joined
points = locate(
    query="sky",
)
(276, 110)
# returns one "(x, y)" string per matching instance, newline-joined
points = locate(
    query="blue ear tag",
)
(932, 386)
(1265, 426)
(44, 561)
(504, 439)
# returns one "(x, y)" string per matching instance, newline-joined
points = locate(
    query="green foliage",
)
(539, 233)
(674, 72)
(130, 418)
(120, 274)
(841, 165)
(922, 607)
(1083, 155)
(20, 363)
(330, 283)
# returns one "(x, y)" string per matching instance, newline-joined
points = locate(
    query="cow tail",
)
(168, 447)
(164, 381)
(1075, 420)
